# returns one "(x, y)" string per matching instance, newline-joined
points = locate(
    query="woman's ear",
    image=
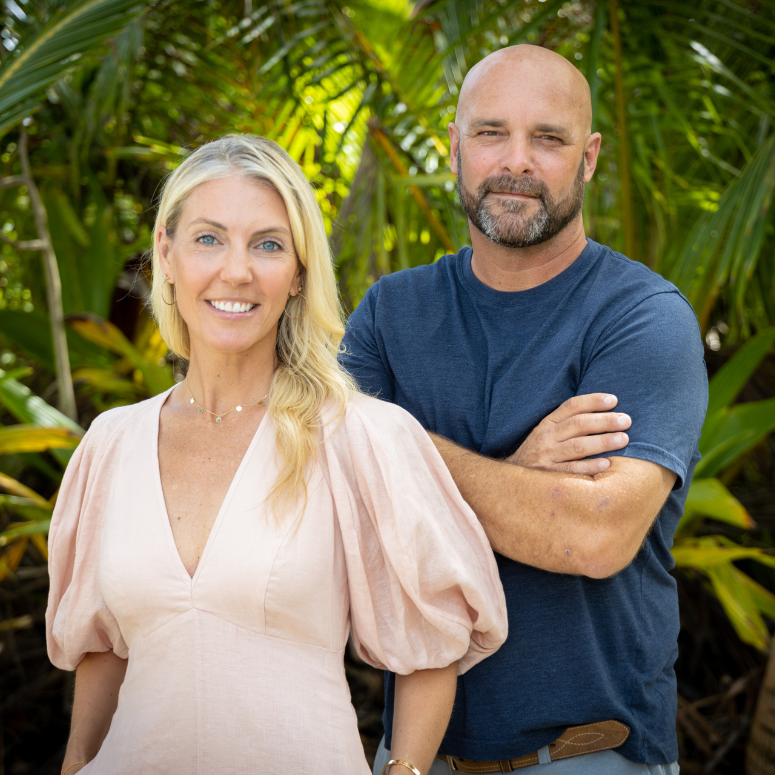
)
(297, 284)
(163, 245)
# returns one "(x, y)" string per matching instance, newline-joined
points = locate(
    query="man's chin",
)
(515, 234)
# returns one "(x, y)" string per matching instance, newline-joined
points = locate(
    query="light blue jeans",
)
(600, 763)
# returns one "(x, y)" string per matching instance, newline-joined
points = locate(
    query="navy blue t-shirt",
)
(483, 368)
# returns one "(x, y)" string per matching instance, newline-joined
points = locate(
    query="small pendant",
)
(201, 410)
(217, 419)
(192, 401)
(239, 408)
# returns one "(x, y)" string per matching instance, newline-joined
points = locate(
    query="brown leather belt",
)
(574, 741)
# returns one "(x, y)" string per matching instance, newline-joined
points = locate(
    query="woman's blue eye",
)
(207, 239)
(269, 245)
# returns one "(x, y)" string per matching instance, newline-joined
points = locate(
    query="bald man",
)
(565, 388)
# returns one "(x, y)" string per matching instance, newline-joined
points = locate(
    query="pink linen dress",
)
(240, 668)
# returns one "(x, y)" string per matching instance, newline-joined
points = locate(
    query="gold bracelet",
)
(402, 763)
(73, 765)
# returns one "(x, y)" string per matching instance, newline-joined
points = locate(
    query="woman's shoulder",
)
(363, 413)
(112, 422)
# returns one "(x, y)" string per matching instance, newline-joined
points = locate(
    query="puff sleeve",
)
(77, 619)
(423, 582)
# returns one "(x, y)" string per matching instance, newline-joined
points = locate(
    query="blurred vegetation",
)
(111, 94)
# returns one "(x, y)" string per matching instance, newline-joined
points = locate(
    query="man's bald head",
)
(527, 69)
(521, 146)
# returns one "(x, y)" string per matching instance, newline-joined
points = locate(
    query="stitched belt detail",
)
(574, 741)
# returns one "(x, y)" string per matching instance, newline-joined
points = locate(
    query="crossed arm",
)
(548, 507)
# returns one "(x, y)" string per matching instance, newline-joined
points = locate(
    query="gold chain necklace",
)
(219, 417)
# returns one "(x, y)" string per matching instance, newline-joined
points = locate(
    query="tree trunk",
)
(760, 754)
(53, 289)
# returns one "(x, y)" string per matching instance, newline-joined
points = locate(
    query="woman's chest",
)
(280, 577)
(197, 464)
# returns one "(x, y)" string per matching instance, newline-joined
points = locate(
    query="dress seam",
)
(239, 627)
(274, 561)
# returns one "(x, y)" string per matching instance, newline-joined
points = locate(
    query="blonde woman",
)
(213, 547)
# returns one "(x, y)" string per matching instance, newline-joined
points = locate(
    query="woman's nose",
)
(236, 267)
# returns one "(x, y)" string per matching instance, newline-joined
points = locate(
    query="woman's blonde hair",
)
(309, 335)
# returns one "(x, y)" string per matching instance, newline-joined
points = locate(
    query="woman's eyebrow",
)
(212, 223)
(271, 230)
(257, 233)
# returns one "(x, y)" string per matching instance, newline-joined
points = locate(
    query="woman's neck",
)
(219, 381)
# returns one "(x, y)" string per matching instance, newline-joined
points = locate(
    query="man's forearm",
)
(564, 523)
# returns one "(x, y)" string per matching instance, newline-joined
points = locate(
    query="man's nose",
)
(517, 158)
(236, 267)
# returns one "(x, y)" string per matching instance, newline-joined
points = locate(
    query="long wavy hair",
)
(309, 335)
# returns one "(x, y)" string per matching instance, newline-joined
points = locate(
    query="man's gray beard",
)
(550, 220)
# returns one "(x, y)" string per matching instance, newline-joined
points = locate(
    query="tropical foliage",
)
(112, 93)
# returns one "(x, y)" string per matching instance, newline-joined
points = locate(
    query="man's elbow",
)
(604, 553)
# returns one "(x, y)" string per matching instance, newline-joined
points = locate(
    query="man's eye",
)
(206, 239)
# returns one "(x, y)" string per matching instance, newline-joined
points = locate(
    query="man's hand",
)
(582, 426)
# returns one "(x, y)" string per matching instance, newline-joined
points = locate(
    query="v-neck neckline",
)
(167, 527)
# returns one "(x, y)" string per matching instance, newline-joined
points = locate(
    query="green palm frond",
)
(46, 54)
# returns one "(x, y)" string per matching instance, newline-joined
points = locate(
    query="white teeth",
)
(228, 306)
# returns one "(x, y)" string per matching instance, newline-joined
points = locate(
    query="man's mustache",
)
(508, 184)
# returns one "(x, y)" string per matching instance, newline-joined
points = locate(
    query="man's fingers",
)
(581, 467)
(588, 424)
(591, 402)
(586, 446)
(588, 467)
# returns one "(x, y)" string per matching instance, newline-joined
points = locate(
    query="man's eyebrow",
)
(482, 122)
(554, 129)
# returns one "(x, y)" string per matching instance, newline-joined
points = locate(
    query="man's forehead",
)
(528, 81)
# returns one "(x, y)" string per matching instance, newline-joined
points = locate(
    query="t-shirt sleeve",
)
(363, 354)
(652, 360)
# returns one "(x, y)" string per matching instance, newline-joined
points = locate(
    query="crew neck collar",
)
(505, 298)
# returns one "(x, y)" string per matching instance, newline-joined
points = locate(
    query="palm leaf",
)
(26, 407)
(739, 605)
(724, 246)
(710, 498)
(22, 491)
(28, 438)
(47, 53)
(734, 431)
(157, 377)
(735, 373)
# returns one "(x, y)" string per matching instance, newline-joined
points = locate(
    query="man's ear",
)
(591, 152)
(454, 144)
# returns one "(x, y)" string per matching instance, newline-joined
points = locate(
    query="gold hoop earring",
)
(174, 293)
(306, 306)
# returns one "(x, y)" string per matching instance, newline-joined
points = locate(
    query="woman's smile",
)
(231, 308)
